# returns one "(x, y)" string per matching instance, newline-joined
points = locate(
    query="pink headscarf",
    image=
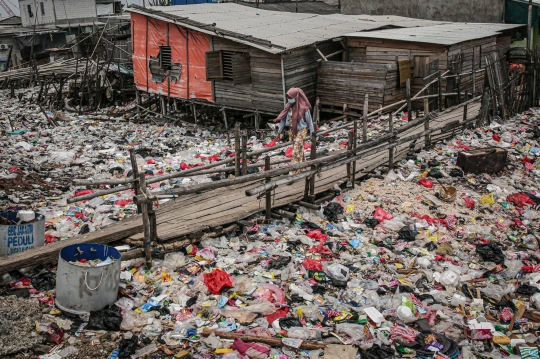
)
(299, 108)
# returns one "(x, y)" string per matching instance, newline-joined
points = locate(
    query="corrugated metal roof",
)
(443, 34)
(271, 31)
(313, 7)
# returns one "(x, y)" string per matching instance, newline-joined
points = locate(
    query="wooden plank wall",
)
(300, 67)
(348, 82)
(477, 51)
(265, 90)
(379, 51)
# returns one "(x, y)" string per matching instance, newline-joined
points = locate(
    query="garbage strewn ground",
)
(40, 162)
(423, 261)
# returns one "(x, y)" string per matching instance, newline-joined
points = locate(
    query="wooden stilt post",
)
(135, 172)
(237, 149)
(138, 100)
(349, 165)
(409, 105)
(268, 211)
(427, 137)
(306, 189)
(313, 156)
(162, 105)
(316, 111)
(364, 122)
(146, 225)
(355, 138)
(474, 74)
(458, 79)
(391, 149)
(440, 98)
(153, 224)
(466, 107)
(244, 153)
(224, 114)
(194, 109)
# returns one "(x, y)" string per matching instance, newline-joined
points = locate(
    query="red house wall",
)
(188, 48)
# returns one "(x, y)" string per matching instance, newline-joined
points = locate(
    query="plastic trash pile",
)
(396, 267)
(40, 162)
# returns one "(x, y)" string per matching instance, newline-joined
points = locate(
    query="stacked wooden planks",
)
(348, 82)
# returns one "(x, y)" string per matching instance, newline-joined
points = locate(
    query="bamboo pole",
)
(244, 153)
(364, 122)
(146, 225)
(275, 342)
(355, 139)
(426, 124)
(268, 212)
(237, 149)
(313, 156)
(135, 173)
(409, 105)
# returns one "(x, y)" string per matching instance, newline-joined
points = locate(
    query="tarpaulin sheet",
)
(517, 13)
(105, 9)
(193, 61)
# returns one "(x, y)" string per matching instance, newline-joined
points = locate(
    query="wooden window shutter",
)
(214, 65)
(241, 69)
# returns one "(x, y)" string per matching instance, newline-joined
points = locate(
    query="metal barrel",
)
(16, 238)
(81, 289)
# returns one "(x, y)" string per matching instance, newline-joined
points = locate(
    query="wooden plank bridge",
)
(193, 214)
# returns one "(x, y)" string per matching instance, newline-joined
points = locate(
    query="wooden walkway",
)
(195, 213)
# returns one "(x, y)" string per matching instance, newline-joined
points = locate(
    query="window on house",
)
(228, 65)
(42, 6)
(165, 57)
(29, 8)
(162, 66)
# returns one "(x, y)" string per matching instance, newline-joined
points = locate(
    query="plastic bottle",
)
(145, 351)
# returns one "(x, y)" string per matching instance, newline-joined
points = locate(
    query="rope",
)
(86, 283)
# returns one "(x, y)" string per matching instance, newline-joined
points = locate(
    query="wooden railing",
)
(356, 150)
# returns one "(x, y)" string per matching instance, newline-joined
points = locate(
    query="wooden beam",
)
(320, 53)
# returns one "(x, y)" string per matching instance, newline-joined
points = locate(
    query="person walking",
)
(296, 119)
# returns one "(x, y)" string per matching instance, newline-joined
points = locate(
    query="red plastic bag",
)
(151, 161)
(430, 220)
(381, 215)
(469, 203)
(270, 144)
(496, 137)
(289, 152)
(184, 166)
(213, 158)
(49, 238)
(426, 183)
(123, 202)
(311, 264)
(280, 313)
(216, 280)
(83, 192)
(317, 234)
(520, 199)
(307, 146)
(321, 249)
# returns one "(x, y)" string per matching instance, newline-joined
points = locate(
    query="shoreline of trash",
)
(425, 260)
